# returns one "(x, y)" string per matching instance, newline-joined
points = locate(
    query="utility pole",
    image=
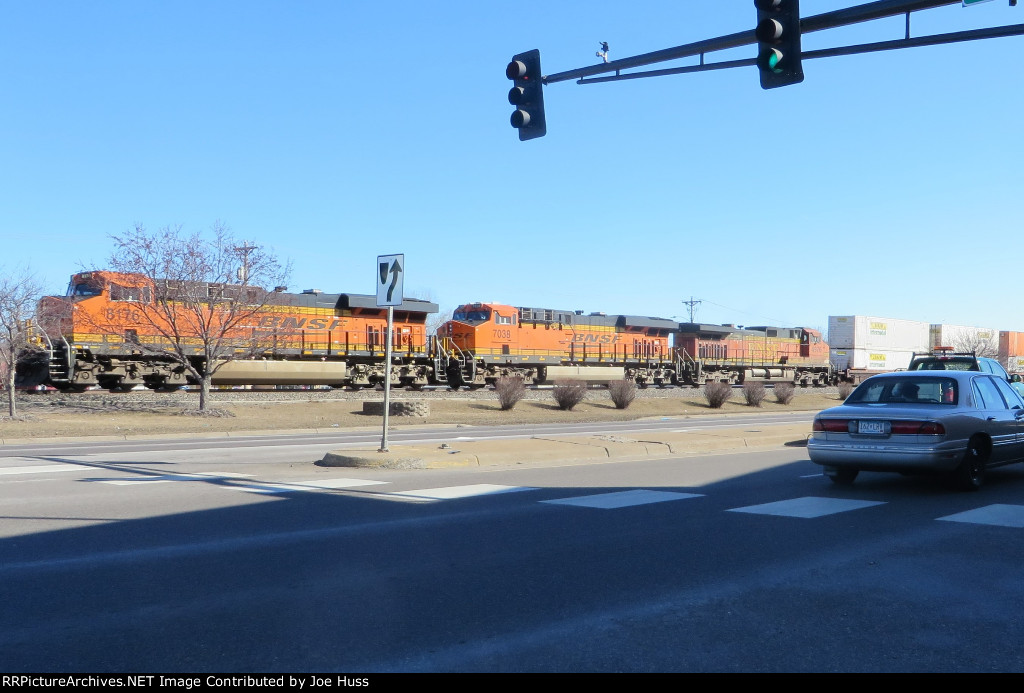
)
(243, 252)
(692, 303)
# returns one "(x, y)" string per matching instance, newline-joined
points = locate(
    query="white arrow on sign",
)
(390, 272)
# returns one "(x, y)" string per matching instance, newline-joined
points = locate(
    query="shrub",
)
(754, 393)
(784, 392)
(510, 389)
(844, 390)
(622, 392)
(717, 393)
(568, 393)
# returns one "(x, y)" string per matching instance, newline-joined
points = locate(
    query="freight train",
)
(102, 333)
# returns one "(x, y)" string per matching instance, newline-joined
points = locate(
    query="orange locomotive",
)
(96, 334)
(486, 341)
(735, 355)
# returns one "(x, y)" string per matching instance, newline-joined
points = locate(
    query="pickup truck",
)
(942, 360)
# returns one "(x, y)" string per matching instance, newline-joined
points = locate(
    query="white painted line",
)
(809, 506)
(305, 486)
(998, 514)
(45, 469)
(623, 499)
(450, 492)
(164, 478)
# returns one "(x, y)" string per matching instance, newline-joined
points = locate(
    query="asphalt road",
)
(252, 559)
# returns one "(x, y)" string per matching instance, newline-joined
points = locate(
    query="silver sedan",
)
(960, 423)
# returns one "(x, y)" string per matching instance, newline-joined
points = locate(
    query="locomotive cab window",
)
(472, 316)
(504, 319)
(85, 289)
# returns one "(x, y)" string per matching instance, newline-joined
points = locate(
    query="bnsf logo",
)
(277, 322)
(596, 338)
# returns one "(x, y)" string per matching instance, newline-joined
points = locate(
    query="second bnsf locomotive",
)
(101, 333)
(487, 341)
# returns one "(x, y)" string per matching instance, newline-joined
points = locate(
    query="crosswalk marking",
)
(997, 514)
(808, 506)
(303, 486)
(1002, 515)
(622, 499)
(451, 492)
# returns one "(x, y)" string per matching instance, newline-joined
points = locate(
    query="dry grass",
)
(72, 422)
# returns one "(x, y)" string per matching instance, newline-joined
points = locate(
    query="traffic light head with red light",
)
(527, 95)
(778, 42)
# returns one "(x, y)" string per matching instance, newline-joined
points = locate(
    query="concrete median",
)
(570, 449)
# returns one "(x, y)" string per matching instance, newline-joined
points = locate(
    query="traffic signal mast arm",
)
(828, 20)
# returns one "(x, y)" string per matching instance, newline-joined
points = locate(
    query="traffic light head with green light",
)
(778, 42)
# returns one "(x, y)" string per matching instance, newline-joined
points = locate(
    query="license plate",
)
(873, 427)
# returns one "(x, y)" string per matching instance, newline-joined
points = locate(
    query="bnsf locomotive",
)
(97, 335)
(486, 341)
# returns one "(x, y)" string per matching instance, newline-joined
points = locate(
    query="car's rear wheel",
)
(970, 475)
(844, 476)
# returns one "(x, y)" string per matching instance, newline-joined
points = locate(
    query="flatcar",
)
(104, 332)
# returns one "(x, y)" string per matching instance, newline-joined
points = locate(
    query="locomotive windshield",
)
(81, 288)
(471, 315)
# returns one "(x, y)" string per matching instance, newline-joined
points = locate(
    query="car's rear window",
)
(946, 365)
(925, 390)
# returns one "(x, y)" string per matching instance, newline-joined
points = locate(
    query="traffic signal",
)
(778, 42)
(527, 95)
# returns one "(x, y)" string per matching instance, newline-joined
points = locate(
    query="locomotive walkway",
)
(573, 449)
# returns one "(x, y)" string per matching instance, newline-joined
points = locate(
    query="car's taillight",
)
(929, 428)
(831, 425)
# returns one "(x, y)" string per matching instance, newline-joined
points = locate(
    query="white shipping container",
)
(881, 334)
(870, 359)
(963, 338)
(1015, 364)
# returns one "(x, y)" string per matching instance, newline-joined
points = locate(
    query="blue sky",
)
(334, 132)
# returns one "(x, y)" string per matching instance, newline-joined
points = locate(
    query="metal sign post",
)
(387, 381)
(390, 275)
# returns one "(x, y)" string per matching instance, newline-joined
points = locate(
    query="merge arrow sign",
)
(390, 273)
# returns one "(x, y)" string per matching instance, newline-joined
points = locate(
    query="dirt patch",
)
(39, 419)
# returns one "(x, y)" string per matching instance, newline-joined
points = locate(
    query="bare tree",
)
(19, 294)
(205, 293)
(980, 344)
